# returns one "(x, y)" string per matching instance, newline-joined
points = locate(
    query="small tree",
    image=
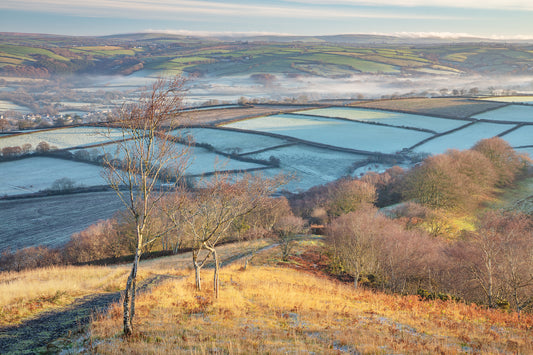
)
(348, 195)
(63, 184)
(354, 239)
(286, 228)
(42, 147)
(210, 212)
(138, 168)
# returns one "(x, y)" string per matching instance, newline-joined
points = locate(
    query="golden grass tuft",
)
(26, 293)
(267, 309)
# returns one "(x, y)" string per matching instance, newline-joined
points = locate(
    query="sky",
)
(498, 19)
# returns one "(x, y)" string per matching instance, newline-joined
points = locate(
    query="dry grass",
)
(226, 253)
(26, 293)
(449, 107)
(269, 309)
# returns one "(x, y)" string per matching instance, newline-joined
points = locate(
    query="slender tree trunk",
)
(196, 271)
(127, 300)
(215, 275)
(129, 296)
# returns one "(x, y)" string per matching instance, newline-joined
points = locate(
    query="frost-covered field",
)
(51, 220)
(198, 160)
(462, 139)
(391, 118)
(231, 141)
(202, 161)
(520, 137)
(63, 138)
(511, 113)
(517, 99)
(338, 133)
(39, 173)
(9, 106)
(311, 165)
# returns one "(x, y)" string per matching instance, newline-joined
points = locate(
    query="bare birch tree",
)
(145, 159)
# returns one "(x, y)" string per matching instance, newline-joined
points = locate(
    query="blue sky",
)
(446, 18)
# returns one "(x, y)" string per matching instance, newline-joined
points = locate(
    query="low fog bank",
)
(85, 94)
(282, 87)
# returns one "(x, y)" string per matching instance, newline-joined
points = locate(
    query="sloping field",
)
(462, 139)
(511, 113)
(52, 220)
(448, 107)
(520, 137)
(63, 138)
(391, 118)
(513, 99)
(203, 161)
(299, 310)
(336, 133)
(311, 166)
(198, 160)
(230, 141)
(208, 117)
(39, 173)
(9, 106)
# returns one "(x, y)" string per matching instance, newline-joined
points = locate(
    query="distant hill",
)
(45, 55)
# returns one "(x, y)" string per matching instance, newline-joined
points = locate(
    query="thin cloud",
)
(185, 8)
(219, 33)
(526, 5)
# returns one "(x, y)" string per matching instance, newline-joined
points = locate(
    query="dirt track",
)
(35, 335)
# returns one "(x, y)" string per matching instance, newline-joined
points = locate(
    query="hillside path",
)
(34, 335)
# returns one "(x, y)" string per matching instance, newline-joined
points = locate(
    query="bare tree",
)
(146, 158)
(354, 239)
(211, 211)
(286, 228)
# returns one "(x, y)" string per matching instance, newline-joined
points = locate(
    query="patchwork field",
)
(312, 145)
(513, 99)
(52, 220)
(203, 161)
(231, 141)
(447, 107)
(397, 119)
(39, 173)
(337, 133)
(62, 138)
(310, 166)
(9, 106)
(462, 139)
(511, 113)
(520, 137)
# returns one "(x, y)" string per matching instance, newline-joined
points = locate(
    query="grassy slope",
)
(272, 308)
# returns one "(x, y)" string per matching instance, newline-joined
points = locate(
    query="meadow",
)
(62, 138)
(37, 174)
(274, 307)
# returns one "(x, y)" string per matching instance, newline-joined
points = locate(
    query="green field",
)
(306, 55)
